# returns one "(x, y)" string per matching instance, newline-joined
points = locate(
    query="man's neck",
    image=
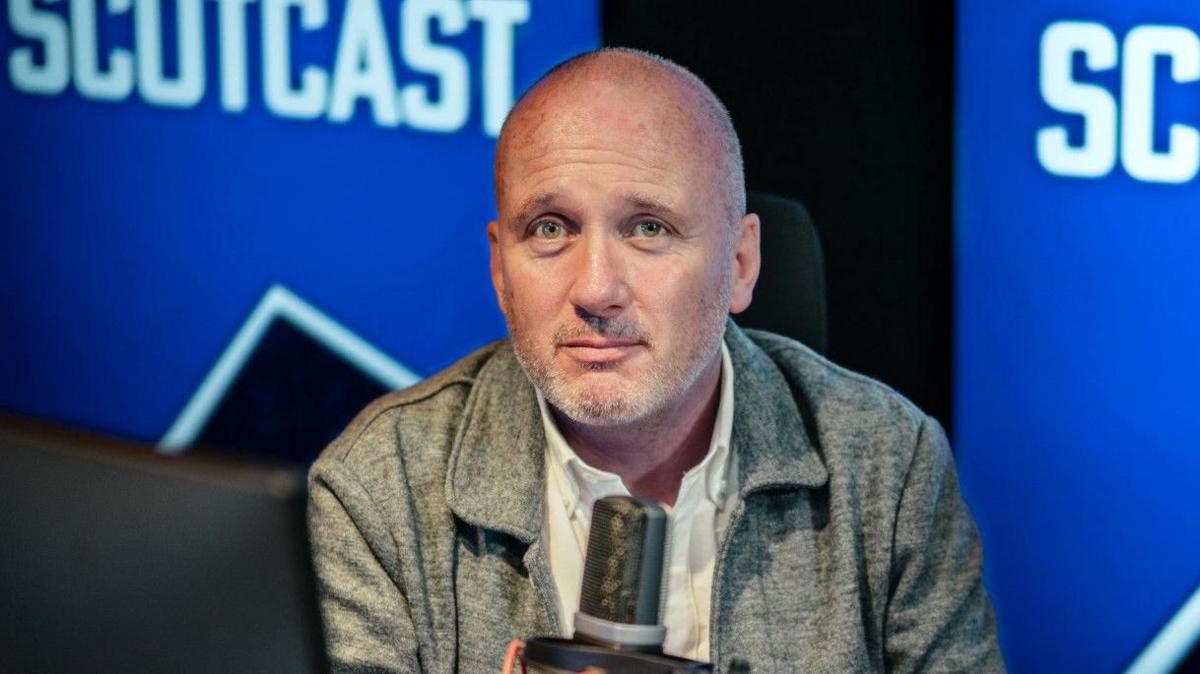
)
(651, 455)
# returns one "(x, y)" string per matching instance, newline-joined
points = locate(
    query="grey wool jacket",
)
(849, 548)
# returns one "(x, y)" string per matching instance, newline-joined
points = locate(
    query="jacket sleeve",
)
(368, 627)
(939, 618)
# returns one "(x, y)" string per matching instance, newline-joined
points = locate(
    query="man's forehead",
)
(637, 150)
(604, 122)
(601, 170)
(590, 113)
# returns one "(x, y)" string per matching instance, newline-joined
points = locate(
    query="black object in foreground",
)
(623, 574)
(617, 628)
(114, 559)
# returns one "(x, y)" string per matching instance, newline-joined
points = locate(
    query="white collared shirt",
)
(699, 516)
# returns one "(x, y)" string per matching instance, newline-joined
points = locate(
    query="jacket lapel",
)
(497, 462)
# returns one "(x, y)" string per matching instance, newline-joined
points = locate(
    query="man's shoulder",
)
(861, 428)
(426, 413)
(834, 394)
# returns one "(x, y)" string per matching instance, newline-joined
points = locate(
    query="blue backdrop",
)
(165, 164)
(1078, 319)
(163, 171)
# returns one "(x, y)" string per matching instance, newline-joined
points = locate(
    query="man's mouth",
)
(598, 350)
(598, 343)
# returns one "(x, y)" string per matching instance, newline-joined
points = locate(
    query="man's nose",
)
(600, 286)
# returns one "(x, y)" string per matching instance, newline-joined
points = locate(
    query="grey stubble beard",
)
(666, 382)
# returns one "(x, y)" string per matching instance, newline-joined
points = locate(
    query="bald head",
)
(651, 91)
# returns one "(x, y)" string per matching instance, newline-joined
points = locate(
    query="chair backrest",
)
(117, 560)
(790, 296)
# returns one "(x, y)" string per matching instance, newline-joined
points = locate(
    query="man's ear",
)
(493, 235)
(746, 262)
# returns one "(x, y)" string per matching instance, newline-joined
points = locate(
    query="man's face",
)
(615, 257)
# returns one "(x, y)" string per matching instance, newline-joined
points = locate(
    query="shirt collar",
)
(584, 484)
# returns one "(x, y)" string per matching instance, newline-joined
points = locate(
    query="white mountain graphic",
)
(278, 303)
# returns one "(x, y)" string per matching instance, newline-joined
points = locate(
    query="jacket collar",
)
(497, 464)
(770, 436)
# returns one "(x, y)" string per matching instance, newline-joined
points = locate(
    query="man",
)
(816, 521)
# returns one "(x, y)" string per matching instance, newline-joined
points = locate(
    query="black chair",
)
(115, 559)
(790, 296)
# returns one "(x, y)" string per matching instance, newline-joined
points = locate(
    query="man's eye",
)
(548, 230)
(648, 228)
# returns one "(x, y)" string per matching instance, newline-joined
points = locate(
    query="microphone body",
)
(617, 628)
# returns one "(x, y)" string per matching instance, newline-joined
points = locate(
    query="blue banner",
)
(1077, 417)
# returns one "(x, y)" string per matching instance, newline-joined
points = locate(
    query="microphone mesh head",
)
(623, 568)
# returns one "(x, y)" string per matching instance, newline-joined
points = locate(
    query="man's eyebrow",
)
(647, 203)
(531, 206)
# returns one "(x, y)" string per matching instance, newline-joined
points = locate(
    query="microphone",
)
(618, 628)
